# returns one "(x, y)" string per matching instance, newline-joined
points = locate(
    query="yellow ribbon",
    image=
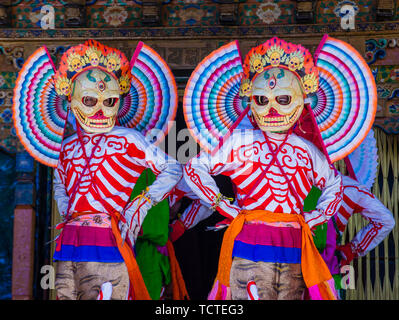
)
(219, 198)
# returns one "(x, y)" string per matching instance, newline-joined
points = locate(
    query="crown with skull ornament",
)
(89, 55)
(277, 53)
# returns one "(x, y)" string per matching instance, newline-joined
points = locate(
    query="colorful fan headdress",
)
(150, 105)
(211, 99)
(41, 93)
(346, 102)
(339, 86)
(39, 113)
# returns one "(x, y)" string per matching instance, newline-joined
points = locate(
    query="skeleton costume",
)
(98, 166)
(268, 250)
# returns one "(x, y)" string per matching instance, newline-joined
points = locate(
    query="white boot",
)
(105, 292)
(252, 291)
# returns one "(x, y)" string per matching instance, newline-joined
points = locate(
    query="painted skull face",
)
(94, 60)
(275, 59)
(294, 63)
(277, 100)
(246, 89)
(111, 65)
(258, 65)
(124, 86)
(65, 88)
(76, 64)
(95, 101)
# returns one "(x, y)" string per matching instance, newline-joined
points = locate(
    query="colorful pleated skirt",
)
(269, 242)
(88, 238)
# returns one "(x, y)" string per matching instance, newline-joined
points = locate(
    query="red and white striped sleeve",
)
(199, 170)
(380, 219)
(194, 213)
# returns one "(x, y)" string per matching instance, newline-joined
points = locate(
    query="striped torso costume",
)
(115, 165)
(244, 158)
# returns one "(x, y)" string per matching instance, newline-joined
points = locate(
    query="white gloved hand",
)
(134, 214)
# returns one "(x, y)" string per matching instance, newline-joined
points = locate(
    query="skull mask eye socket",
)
(89, 101)
(261, 100)
(283, 100)
(110, 102)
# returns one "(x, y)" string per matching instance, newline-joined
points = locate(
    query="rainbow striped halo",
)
(150, 106)
(346, 101)
(344, 105)
(211, 99)
(39, 113)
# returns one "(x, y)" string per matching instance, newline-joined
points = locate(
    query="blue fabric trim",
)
(266, 253)
(88, 253)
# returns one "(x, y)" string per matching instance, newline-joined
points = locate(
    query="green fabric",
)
(154, 266)
(310, 203)
(337, 280)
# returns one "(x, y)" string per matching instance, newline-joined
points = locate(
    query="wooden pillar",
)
(24, 229)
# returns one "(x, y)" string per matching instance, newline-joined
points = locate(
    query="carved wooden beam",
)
(228, 12)
(385, 9)
(5, 17)
(75, 13)
(151, 12)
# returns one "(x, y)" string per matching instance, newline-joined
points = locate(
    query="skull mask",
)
(95, 101)
(258, 65)
(277, 99)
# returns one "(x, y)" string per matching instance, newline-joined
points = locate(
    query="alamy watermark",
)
(47, 20)
(348, 277)
(48, 279)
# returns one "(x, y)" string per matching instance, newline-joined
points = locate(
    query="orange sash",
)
(314, 270)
